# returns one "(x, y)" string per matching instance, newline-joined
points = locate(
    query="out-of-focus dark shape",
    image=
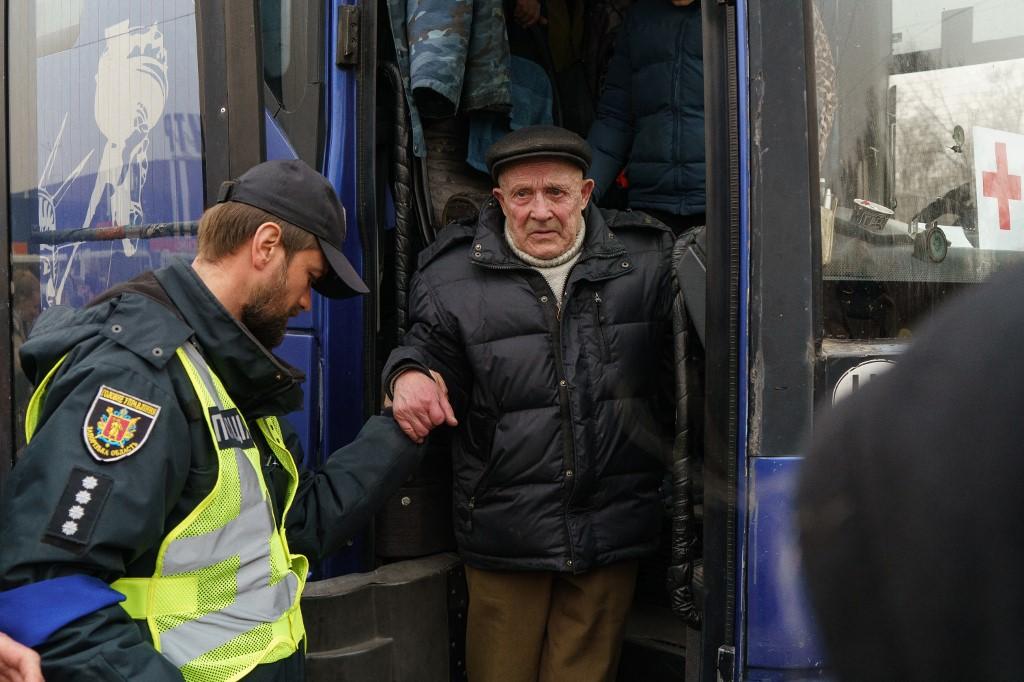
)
(909, 505)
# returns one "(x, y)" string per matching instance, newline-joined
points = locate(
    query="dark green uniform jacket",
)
(127, 343)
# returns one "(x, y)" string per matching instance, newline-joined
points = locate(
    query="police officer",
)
(155, 526)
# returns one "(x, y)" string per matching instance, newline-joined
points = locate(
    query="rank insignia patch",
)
(79, 508)
(117, 424)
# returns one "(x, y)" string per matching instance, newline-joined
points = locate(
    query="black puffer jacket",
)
(564, 419)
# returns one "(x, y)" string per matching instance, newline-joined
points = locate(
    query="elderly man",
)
(549, 323)
(156, 526)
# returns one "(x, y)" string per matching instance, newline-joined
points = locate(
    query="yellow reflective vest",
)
(224, 594)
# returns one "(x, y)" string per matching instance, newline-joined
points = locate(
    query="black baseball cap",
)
(535, 142)
(292, 191)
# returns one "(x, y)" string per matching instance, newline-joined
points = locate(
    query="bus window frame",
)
(776, 277)
(371, 228)
(722, 54)
(6, 342)
(230, 90)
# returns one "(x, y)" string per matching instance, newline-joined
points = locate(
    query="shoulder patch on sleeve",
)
(75, 516)
(117, 425)
(449, 237)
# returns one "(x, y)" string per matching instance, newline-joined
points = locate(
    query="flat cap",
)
(536, 142)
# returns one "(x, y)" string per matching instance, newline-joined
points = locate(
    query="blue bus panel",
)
(300, 351)
(780, 632)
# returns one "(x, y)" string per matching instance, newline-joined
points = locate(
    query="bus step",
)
(654, 647)
(390, 624)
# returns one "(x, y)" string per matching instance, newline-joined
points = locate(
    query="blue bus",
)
(864, 164)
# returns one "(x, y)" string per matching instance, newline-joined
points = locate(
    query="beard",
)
(266, 314)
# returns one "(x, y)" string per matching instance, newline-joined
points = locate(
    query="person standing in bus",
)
(549, 321)
(649, 131)
(155, 526)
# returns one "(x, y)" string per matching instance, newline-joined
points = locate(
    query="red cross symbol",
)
(1001, 186)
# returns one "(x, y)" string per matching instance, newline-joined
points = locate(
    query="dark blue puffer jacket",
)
(650, 118)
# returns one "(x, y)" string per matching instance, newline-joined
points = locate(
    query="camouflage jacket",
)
(453, 55)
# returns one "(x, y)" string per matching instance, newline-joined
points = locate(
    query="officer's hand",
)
(18, 663)
(421, 403)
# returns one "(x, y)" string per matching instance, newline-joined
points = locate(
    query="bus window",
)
(275, 33)
(105, 132)
(921, 151)
(291, 41)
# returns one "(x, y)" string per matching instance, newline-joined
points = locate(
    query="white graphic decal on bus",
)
(858, 376)
(130, 96)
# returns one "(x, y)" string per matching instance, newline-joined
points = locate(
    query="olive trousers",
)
(545, 626)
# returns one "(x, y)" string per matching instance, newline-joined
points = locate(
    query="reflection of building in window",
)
(918, 88)
(920, 25)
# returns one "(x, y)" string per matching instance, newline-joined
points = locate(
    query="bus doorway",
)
(430, 173)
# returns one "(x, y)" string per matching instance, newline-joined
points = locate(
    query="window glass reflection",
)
(104, 134)
(921, 154)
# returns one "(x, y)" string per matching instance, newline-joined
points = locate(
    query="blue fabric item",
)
(531, 105)
(31, 613)
(650, 117)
